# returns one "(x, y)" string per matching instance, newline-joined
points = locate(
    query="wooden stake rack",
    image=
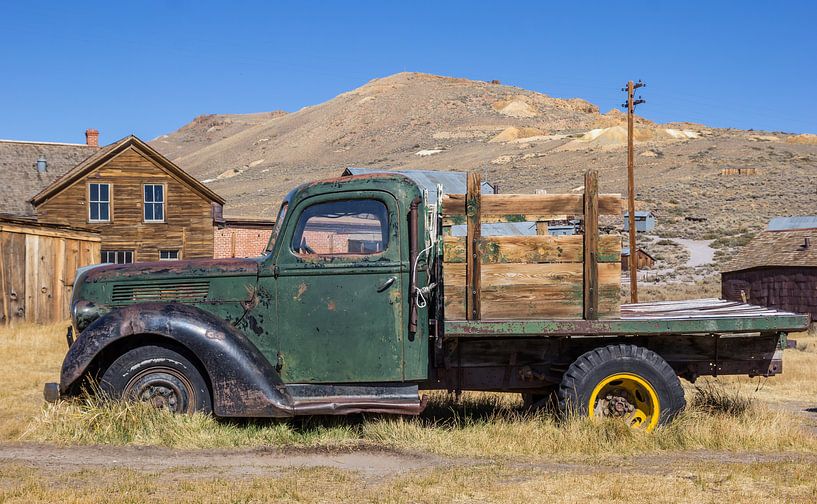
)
(531, 276)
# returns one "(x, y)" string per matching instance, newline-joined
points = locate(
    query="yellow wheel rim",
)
(626, 396)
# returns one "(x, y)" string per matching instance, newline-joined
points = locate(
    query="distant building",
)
(643, 259)
(242, 237)
(778, 269)
(644, 221)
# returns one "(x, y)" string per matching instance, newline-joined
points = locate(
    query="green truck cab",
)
(344, 312)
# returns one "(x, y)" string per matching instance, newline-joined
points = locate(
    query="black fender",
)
(243, 381)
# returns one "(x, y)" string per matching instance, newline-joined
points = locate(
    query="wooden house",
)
(144, 207)
(776, 269)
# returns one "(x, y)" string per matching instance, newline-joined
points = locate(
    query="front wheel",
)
(159, 376)
(626, 382)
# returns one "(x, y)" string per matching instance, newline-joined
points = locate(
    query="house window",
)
(99, 202)
(117, 256)
(342, 227)
(154, 203)
(168, 255)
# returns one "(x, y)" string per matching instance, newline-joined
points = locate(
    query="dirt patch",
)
(239, 462)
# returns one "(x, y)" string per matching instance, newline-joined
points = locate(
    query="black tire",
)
(593, 367)
(158, 375)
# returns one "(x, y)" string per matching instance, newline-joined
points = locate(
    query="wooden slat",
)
(4, 315)
(532, 249)
(32, 280)
(474, 262)
(532, 204)
(543, 280)
(15, 250)
(591, 245)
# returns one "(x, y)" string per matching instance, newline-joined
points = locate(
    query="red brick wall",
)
(239, 242)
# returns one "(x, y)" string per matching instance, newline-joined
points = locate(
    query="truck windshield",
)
(279, 221)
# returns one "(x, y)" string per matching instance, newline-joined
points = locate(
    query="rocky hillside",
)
(520, 139)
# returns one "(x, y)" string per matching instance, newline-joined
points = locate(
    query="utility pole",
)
(630, 105)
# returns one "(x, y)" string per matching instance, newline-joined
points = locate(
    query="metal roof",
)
(452, 182)
(640, 213)
(800, 222)
(499, 229)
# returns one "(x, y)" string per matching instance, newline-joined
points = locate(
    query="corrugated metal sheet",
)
(452, 182)
(499, 229)
(799, 222)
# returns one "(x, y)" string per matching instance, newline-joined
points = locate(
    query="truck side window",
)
(343, 227)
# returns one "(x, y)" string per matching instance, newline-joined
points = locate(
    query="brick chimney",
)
(92, 137)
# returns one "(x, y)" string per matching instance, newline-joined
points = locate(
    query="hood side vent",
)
(158, 291)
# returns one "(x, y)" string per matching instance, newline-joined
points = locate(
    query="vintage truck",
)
(364, 298)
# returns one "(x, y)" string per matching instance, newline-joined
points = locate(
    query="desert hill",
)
(520, 139)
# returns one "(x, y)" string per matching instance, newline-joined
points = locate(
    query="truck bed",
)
(700, 316)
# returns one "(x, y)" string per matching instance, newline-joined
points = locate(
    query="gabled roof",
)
(777, 248)
(640, 213)
(625, 251)
(109, 152)
(21, 180)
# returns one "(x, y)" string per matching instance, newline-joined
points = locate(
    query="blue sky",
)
(149, 67)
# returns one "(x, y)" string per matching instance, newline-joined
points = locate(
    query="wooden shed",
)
(37, 267)
(643, 259)
(776, 269)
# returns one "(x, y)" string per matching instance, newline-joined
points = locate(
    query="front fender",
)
(243, 381)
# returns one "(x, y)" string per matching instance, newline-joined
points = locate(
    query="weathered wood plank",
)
(524, 282)
(4, 302)
(530, 274)
(15, 248)
(32, 278)
(532, 205)
(591, 241)
(473, 263)
(532, 249)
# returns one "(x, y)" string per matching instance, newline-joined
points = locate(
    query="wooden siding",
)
(188, 224)
(37, 269)
(791, 288)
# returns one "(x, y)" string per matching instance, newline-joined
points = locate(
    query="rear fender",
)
(243, 381)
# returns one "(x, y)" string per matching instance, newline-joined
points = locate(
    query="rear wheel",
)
(159, 376)
(622, 381)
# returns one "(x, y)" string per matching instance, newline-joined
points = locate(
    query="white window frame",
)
(116, 253)
(163, 203)
(175, 251)
(99, 201)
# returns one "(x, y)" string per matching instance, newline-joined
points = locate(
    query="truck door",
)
(340, 281)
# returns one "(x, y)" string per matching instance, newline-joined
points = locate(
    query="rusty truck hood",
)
(185, 268)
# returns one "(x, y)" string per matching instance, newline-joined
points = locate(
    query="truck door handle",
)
(385, 285)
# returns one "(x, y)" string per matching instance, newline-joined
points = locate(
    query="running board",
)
(310, 399)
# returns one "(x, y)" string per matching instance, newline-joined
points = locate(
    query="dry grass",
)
(30, 356)
(505, 454)
(481, 425)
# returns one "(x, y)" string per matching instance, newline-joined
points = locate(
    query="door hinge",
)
(275, 271)
(279, 362)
